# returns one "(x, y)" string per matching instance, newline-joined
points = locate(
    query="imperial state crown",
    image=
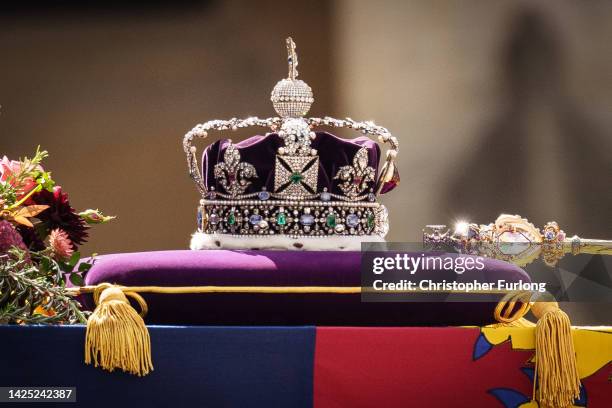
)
(296, 187)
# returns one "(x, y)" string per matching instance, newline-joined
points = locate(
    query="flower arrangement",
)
(40, 234)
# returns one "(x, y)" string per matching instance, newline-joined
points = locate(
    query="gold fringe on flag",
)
(116, 334)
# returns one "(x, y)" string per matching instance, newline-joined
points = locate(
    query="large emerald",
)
(370, 220)
(331, 220)
(281, 218)
(296, 178)
(231, 218)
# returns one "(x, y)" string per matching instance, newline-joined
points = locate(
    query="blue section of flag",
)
(481, 347)
(529, 372)
(194, 366)
(582, 399)
(510, 398)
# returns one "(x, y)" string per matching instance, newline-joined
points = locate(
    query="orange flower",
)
(45, 312)
(60, 244)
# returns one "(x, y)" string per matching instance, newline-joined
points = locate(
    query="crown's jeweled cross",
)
(292, 59)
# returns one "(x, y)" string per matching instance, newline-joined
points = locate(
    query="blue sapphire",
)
(325, 196)
(254, 219)
(307, 219)
(550, 235)
(471, 233)
(352, 220)
(213, 219)
(200, 217)
(263, 195)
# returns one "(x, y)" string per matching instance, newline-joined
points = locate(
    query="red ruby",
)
(391, 184)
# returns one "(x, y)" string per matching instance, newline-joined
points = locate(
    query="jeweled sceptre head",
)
(296, 187)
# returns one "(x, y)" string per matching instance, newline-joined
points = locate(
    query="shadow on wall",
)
(541, 158)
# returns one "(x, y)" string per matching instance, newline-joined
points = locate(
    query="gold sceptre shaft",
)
(576, 245)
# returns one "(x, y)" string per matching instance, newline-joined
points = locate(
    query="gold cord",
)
(265, 289)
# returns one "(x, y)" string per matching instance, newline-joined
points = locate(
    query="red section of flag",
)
(599, 388)
(412, 367)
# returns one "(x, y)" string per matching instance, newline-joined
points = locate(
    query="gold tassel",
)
(558, 381)
(116, 334)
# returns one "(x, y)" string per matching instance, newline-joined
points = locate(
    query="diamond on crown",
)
(297, 135)
(232, 174)
(291, 97)
(356, 178)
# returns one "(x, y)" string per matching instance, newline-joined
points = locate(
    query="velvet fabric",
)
(260, 151)
(282, 268)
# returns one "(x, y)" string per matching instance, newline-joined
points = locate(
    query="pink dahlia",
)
(60, 244)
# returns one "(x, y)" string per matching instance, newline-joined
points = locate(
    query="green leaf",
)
(45, 264)
(95, 216)
(74, 258)
(44, 179)
(24, 286)
(63, 266)
(84, 267)
(76, 279)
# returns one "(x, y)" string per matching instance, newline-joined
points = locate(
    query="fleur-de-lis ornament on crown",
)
(355, 179)
(232, 174)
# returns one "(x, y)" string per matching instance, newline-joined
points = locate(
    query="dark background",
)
(499, 106)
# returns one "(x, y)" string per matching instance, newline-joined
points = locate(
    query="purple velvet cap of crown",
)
(334, 152)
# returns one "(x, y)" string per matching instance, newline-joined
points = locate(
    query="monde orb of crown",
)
(292, 98)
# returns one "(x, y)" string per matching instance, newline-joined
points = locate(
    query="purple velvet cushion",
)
(282, 268)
